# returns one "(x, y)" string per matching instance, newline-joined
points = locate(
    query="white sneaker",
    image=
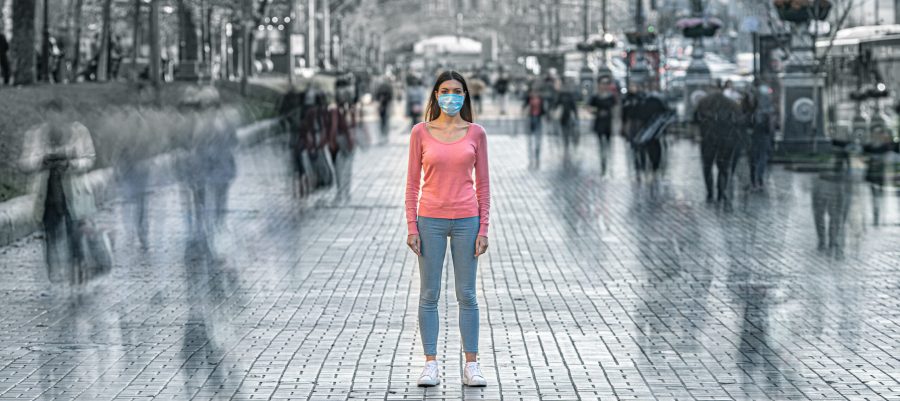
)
(472, 375)
(431, 375)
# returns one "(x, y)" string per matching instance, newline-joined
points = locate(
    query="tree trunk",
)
(135, 40)
(45, 43)
(104, 61)
(208, 47)
(3, 17)
(23, 41)
(154, 49)
(246, 29)
(76, 39)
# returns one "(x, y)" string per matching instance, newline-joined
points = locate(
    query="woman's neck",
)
(444, 120)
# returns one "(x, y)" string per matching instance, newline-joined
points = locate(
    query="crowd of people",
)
(199, 138)
(325, 127)
(324, 122)
(731, 124)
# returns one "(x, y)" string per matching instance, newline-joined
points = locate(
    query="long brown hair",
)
(433, 111)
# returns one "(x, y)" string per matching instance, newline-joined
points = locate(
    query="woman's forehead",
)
(450, 84)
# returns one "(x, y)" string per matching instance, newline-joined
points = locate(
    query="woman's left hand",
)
(481, 245)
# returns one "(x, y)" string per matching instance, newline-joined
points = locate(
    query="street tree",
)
(23, 40)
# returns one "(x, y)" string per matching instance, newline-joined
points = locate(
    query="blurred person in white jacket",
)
(57, 151)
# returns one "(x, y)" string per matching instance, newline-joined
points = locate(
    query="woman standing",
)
(448, 146)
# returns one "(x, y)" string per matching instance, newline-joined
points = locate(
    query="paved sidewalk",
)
(595, 287)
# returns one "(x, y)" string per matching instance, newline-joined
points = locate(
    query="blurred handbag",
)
(96, 250)
(80, 200)
(361, 136)
(655, 128)
(308, 170)
(320, 165)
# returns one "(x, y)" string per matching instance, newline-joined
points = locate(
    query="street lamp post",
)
(586, 75)
(135, 39)
(155, 51)
(602, 68)
(326, 34)
(311, 35)
(639, 71)
(45, 44)
(801, 85)
(697, 77)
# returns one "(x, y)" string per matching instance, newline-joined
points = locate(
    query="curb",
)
(17, 217)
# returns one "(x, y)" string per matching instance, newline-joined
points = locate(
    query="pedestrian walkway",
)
(596, 286)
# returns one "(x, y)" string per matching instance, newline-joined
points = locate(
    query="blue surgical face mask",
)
(451, 103)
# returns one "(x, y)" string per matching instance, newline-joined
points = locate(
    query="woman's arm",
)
(482, 184)
(34, 149)
(83, 155)
(413, 181)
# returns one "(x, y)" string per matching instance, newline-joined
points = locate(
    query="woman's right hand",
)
(413, 242)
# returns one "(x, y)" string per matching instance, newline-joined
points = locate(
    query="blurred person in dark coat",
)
(568, 114)
(721, 126)
(549, 87)
(501, 87)
(832, 195)
(762, 134)
(415, 99)
(603, 101)
(384, 94)
(640, 108)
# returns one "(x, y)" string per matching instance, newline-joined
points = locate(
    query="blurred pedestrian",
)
(762, 135)
(832, 195)
(603, 101)
(415, 97)
(549, 88)
(221, 166)
(880, 151)
(454, 203)
(720, 122)
(568, 117)
(536, 109)
(60, 151)
(501, 87)
(341, 144)
(643, 113)
(476, 88)
(304, 144)
(209, 166)
(189, 168)
(133, 176)
(384, 93)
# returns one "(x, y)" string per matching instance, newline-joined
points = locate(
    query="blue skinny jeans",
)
(433, 233)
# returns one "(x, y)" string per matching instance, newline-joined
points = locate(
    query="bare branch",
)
(837, 26)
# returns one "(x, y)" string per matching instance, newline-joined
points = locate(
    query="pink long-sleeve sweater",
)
(449, 190)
